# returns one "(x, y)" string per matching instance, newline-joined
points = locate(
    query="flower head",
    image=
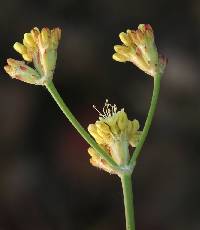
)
(114, 133)
(139, 48)
(39, 47)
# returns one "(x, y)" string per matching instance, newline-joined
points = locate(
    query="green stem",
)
(128, 201)
(54, 93)
(149, 119)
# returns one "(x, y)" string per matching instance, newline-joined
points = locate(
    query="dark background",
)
(46, 181)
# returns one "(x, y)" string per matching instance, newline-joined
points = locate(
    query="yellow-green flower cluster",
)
(39, 47)
(139, 48)
(114, 132)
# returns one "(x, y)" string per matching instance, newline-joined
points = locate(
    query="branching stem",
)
(149, 119)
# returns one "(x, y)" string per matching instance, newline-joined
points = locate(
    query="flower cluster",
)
(39, 48)
(114, 133)
(139, 48)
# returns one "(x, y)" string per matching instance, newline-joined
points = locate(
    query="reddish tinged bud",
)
(19, 70)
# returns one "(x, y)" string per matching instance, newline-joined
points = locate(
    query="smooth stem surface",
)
(149, 119)
(128, 201)
(54, 93)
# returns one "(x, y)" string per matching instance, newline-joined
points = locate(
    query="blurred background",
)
(46, 180)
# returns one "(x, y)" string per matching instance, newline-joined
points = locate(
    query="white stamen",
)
(108, 110)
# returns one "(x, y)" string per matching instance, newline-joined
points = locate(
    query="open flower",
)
(39, 48)
(114, 133)
(139, 48)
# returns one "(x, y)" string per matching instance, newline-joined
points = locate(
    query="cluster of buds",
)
(114, 133)
(139, 48)
(39, 48)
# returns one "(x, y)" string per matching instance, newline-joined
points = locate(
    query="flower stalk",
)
(126, 182)
(149, 119)
(126, 179)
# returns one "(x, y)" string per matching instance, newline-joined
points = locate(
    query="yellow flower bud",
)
(119, 57)
(102, 126)
(125, 39)
(20, 48)
(93, 131)
(122, 120)
(28, 40)
(135, 125)
(125, 51)
(35, 33)
(55, 37)
(129, 128)
(102, 134)
(133, 133)
(121, 49)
